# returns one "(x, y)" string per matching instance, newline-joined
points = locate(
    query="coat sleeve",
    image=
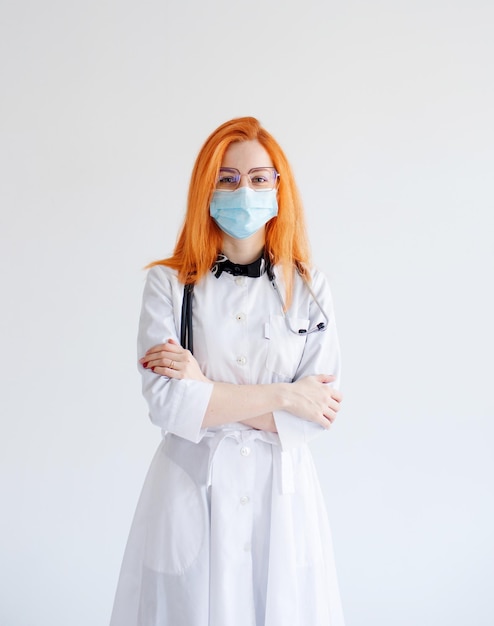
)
(321, 356)
(177, 406)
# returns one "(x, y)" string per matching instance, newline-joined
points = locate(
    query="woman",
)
(230, 529)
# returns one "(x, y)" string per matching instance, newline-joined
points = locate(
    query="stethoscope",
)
(186, 336)
(301, 331)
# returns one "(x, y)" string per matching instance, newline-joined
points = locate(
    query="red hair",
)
(200, 239)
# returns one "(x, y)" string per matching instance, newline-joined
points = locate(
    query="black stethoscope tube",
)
(186, 339)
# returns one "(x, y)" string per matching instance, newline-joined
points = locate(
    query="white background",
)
(385, 109)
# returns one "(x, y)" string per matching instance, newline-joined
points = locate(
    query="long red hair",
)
(200, 239)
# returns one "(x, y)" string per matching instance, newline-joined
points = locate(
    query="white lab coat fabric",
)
(231, 528)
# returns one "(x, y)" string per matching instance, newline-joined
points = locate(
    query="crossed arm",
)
(309, 398)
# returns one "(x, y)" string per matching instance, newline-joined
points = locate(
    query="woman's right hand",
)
(313, 399)
(171, 360)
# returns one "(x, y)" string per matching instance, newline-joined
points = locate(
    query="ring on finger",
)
(172, 363)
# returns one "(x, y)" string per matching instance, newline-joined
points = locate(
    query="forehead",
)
(244, 155)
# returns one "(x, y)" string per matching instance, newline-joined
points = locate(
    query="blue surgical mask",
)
(242, 212)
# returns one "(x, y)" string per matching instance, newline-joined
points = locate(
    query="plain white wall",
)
(385, 111)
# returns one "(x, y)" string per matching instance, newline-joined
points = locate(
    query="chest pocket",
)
(285, 348)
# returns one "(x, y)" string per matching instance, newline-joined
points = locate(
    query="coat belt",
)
(283, 458)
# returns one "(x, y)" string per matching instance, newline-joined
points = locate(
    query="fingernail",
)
(145, 364)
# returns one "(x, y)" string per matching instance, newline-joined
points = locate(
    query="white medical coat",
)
(231, 528)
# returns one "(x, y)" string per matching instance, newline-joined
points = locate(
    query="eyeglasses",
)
(260, 178)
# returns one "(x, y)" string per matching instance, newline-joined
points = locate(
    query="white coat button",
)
(245, 451)
(247, 546)
(244, 500)
(241, 360)
(239, 280)
(240, 317)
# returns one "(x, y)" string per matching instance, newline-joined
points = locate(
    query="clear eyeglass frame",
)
(259, 178)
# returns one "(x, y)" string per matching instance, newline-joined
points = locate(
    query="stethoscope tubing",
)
(321, 326)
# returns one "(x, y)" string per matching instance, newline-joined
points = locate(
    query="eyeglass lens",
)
(260, 178)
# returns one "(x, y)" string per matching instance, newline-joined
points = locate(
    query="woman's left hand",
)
(171, 360)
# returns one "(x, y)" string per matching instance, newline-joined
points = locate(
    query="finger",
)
(162, 352)
(326, 423)
(168, 372)
(168, 361)
(154, 350)
(153, 360)
(334, 407)
(331, 411)
(335, 403)
(170, 345)
(336, 395)
(174, 346)
(325, 378)
(322, 420)
(161, 371)
(329, 416)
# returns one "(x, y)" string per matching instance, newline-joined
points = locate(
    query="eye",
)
(227, 178)
(262, 177)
